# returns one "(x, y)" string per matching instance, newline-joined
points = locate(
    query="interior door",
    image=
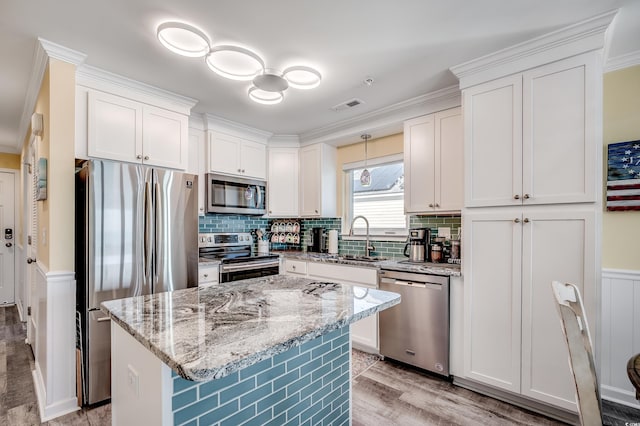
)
(7, 249)
(31, 223)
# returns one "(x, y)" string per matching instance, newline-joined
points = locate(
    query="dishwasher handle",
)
(413, 284)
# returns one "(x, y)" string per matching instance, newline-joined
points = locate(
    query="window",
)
(382, 203)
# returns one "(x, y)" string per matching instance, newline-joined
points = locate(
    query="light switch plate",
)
(445, 231)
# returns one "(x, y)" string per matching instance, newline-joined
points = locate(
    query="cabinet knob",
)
(270, 212)
(316, 211)
(139, 157)
(146, 157)
(437, 205)
(516, 220)
(525, 196)
(430, 204)
(526, 220)
(242, 170)
(206, 275)
(516, 197)
(239, 170)
(293, 267)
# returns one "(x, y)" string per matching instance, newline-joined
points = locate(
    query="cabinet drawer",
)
(340, 273)
(207, 274)
(295, 267)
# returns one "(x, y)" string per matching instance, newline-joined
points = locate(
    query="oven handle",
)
(245, 266)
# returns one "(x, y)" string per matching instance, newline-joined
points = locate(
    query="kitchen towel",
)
(333, 241)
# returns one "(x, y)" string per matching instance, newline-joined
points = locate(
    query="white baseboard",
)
(20, 313)
(57, 409)
(620, 334)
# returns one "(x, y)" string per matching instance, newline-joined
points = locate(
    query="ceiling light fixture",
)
(237, 63)
(365, 176)
(234, 62)
(183, 39)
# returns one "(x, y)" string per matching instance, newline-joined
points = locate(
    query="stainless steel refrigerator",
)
(136, 234)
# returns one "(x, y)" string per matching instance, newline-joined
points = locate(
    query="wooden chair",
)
(576, 332)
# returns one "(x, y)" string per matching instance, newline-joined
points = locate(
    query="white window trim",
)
(347, 213)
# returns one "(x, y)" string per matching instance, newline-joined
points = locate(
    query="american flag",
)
(623, 176)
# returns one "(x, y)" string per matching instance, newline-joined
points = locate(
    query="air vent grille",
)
(351, 103)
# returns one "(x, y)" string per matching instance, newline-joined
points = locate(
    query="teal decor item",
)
(41, 180)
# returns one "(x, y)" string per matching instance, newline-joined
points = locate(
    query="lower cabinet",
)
(512, 333)
(208, 274)
(364, 333)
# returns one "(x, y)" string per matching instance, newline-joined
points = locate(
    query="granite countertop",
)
(211, 331)
(396, 264)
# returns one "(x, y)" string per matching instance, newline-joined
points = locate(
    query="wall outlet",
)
(133, 380)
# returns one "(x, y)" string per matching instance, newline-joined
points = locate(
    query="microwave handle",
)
(258, 197)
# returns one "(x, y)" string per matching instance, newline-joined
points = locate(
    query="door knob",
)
(8, 244)
(30, 260)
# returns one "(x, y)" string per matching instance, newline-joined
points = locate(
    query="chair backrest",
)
(576, 332)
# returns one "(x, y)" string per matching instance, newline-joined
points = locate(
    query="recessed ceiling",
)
(407, 47)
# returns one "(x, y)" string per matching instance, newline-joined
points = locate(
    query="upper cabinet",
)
(318, 181)
(125, 130)
(236, 156)
(197, 162)
(530, 138)
(124, 120)
(282, 182)
(433, 163)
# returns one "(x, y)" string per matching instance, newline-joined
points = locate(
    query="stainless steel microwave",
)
(235, 195)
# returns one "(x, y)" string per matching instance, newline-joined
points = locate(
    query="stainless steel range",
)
(234, 250)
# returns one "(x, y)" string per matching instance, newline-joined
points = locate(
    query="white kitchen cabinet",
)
(125, 130)
(196, 164)
(512, 334)
(295, 267)
(236, 156)
(433, 163)
(208, 274)
(282, 182)
(318, 181)
(531, 138)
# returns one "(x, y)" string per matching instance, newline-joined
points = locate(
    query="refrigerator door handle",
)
(157, 220)
(147, 234)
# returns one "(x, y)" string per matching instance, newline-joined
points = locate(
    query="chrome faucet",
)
(367, 247)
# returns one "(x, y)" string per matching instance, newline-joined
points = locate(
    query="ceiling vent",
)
(351, 103)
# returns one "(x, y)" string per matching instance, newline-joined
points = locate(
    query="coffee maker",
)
(318, 244)
(417, 247)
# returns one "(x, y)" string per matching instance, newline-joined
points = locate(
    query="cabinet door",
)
(165, 138)
(115, 128)
(197, 164)
(493, 143)
(420, 168)
(310, 181)
(560, 153)
(224, 154)
(557, 245)
(492, 290)
(253, 159)
(282, 182)
(449, 142)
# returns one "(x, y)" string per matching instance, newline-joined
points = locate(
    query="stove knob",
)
(203, 239)
(210, 239)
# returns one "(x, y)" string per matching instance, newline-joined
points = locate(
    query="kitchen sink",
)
(362, 258)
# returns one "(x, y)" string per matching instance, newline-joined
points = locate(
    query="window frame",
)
(379, 234)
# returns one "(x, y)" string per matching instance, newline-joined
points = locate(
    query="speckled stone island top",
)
(211, 331)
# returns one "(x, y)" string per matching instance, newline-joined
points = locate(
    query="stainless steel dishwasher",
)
(417, 330)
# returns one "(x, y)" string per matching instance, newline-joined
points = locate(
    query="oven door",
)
(245, 270)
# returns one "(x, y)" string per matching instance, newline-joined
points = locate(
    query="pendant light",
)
(365, 176)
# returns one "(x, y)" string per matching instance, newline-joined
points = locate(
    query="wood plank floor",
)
(384, 393)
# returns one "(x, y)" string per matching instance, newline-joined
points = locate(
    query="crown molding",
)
(575, 39)
(99, 79)
(623, 61)
(284, 141)
(44, 50)
(196, 121)
(384, 121)
(222, 125)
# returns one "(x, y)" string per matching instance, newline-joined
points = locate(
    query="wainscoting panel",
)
(620, 331)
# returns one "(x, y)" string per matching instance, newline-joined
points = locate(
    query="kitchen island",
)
(273, 349)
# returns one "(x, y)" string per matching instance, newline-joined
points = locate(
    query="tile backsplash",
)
(239, 223)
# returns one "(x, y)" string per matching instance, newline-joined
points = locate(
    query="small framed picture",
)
(41, 180)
